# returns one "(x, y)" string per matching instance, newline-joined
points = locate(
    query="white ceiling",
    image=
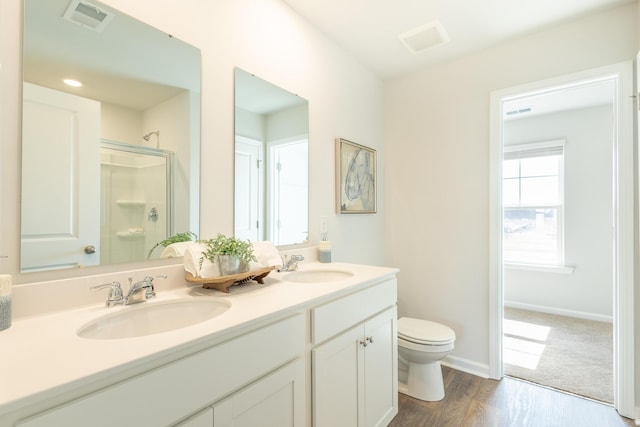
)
(152, 68)
(369, 29)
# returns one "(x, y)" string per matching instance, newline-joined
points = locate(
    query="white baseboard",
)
(560, 311)
(466, 365)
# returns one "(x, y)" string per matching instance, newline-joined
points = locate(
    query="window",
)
(533, 203)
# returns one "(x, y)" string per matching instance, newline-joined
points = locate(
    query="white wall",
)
(288, 123)
(121, 124)
(172, 118)
(250, 124)
(263, 37)
(436, 138)
(588, 215)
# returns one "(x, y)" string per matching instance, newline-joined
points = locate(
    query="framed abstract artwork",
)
(355, 178)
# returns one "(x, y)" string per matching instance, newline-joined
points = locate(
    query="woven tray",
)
(223, 283)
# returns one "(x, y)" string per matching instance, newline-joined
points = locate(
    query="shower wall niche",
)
(136, 200)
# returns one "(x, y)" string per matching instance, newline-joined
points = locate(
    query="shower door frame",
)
(156, 152)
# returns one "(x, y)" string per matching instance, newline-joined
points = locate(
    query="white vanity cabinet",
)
(203, 418)
(170, 393)
(275, 400)
(288, 355)
(354, 373)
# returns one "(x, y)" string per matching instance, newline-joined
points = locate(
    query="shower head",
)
(148, 136)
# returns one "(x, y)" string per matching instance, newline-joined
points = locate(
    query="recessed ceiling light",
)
(71, 82)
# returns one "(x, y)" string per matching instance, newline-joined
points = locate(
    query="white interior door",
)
(248, 190)
(60, 211)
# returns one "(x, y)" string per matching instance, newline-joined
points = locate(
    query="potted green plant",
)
(233, 255)
(180, 237)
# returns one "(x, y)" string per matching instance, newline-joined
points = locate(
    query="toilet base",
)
(424, 382)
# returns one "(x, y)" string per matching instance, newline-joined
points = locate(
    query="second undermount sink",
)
(318, 276)
(153, 318)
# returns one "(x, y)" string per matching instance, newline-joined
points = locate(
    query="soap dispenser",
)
(324, 249)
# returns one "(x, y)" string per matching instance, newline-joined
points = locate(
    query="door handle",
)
(89, 249)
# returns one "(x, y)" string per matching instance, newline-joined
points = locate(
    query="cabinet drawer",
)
(330, 319)
(166, 394)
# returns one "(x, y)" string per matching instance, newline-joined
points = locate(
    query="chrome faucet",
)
(138, 292)
(292, 263)
(115, 293)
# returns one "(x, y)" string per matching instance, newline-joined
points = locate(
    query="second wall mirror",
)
(271, 162)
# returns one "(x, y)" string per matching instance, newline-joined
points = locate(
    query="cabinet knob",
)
(370, 339)
(364, 343)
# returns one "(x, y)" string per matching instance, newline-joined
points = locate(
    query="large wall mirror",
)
(109, 167)
(271, 162)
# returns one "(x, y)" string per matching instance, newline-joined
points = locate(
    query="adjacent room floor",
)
(565, 353)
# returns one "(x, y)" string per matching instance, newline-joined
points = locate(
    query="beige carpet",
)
(565, 353)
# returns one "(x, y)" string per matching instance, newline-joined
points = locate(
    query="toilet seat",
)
(424, 332)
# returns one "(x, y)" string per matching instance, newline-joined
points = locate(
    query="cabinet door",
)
(203, 418)
(337, 376)
(276, 400)
(381, 369)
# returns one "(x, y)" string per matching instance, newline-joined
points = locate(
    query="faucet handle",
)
(115, 293)
(151, 291)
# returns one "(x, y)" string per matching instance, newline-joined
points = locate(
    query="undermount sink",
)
(317, 276)
(153, 318)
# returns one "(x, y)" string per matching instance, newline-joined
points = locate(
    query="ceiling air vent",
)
(87, 15)
(424, 37)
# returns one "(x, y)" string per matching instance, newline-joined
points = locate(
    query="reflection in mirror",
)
(271, 162)
(136, 184)
(109, 167)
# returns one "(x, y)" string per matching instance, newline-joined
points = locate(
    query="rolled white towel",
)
(209, 269)
(175, 250)
(267, 255)
(191, 261)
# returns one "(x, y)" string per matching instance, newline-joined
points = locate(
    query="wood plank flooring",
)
(471, 401)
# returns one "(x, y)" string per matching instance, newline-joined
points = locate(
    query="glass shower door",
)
(135, 201)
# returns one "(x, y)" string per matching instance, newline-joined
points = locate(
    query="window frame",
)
(537, 150)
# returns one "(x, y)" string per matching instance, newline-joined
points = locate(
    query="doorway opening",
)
(562, 192)
(557, 202)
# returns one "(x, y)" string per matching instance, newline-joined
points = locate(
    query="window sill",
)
(560, 269)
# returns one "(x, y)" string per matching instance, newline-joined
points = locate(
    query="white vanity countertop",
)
(42, 356)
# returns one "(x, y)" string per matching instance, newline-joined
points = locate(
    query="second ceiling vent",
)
(424, 37)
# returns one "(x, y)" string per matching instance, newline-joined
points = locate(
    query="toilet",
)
(421, 346)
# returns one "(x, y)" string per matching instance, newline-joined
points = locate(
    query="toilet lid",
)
(424, 331)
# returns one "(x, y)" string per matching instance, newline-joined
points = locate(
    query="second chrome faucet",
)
(138, 292)
(292, 263)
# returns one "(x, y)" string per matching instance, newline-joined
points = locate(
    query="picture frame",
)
(355, 178)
